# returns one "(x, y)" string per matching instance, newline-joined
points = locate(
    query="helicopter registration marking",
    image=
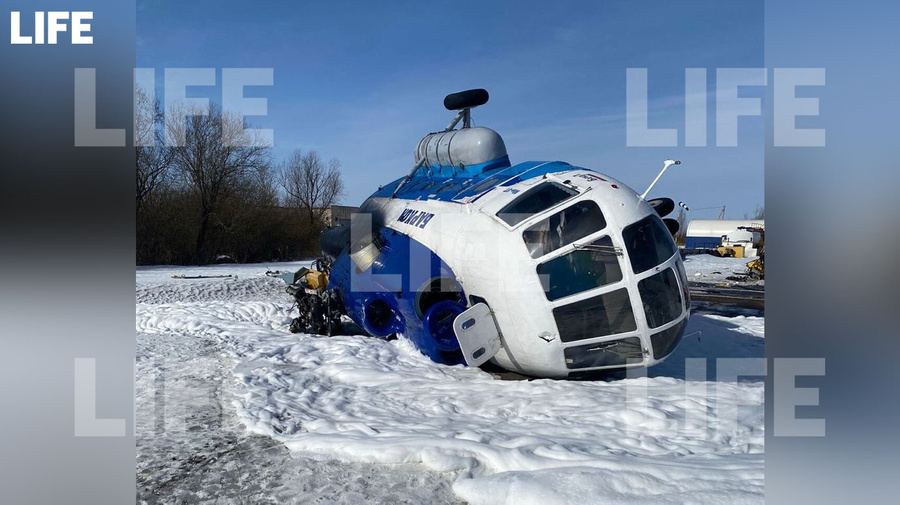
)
(418, 218)
(589, 177)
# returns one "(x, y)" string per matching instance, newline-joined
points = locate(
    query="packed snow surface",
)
(709, 269)
(688, 430)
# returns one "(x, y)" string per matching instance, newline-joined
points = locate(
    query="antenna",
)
(464, 102)
(666, 165)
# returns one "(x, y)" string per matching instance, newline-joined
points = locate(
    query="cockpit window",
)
(661, 296)
(563, 228)
(590, 266)
(602, 315)
(682, 275)
(534, 201)
(648, 243)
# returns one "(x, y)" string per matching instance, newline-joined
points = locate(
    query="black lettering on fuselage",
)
(418, 218)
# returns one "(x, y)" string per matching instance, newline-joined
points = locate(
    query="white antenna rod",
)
(666, 165)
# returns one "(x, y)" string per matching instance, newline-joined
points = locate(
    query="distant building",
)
(711, 233)
(338, 215)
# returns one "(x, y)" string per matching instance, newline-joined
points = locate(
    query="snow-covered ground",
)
(233, 408)
(709, 269)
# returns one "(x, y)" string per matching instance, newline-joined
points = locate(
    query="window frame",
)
(659, 226)
(644, 287)
(532, 223)
(573, 193)
(573, 250)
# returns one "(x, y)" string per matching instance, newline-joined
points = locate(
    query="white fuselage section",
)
(492, 262)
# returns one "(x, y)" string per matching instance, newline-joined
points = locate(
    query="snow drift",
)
(667, 438)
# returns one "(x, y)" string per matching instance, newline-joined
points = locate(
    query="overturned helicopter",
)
(545, 268)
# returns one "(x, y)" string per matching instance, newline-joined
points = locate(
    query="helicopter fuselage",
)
(579, 272)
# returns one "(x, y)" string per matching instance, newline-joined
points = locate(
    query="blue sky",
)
(364, 81)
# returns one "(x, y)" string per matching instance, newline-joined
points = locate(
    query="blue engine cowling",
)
(407, 290)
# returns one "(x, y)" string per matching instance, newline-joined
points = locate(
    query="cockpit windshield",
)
(660, 294)
(648, 243)
(587, 267)
(535, 201)
(563, 228)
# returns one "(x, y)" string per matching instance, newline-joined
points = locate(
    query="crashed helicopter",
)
(544, 268)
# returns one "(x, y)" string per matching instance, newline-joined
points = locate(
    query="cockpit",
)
(588, 271)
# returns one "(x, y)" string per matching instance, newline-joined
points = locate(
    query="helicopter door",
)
(477, 334)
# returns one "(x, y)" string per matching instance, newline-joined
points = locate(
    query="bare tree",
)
(152, 157)
(311, 184)
(214, 154)
(760, 212)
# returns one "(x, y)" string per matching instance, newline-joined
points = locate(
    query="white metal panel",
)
(477, 334)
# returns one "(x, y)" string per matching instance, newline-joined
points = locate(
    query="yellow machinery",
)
(316, 280)
(756, 269)
(730, 251)
(320, 309)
